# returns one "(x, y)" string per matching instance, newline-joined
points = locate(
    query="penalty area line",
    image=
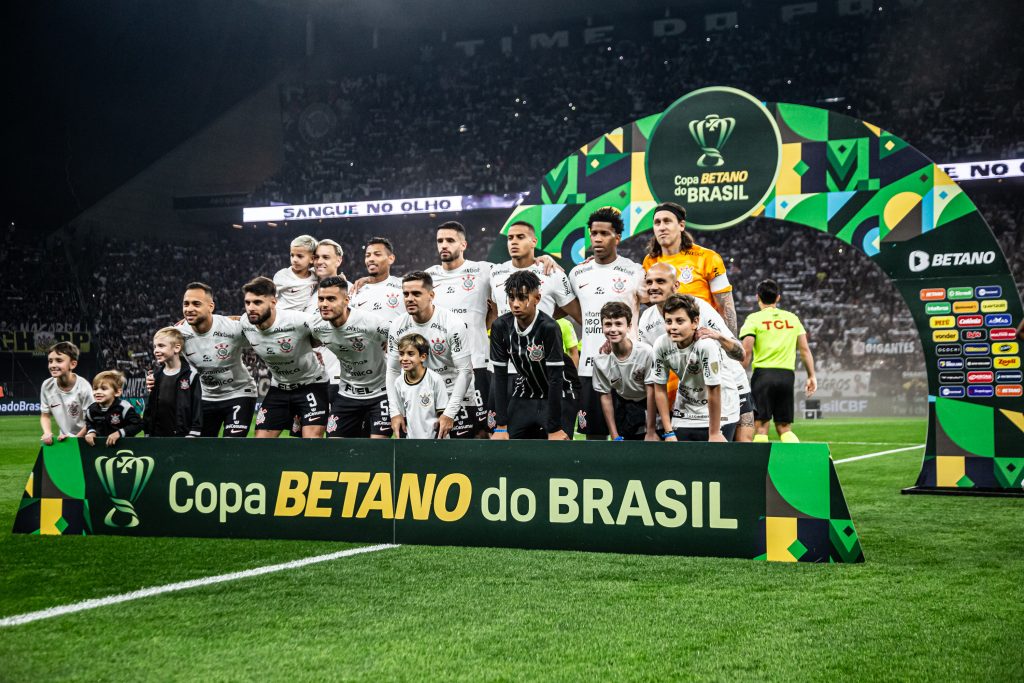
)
(29, 617)
(875, 455)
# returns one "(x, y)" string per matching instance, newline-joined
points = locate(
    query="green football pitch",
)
(938, 598)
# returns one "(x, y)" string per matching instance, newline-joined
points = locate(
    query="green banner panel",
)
(779, 502)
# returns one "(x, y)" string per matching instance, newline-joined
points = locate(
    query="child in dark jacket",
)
(174, 406)
(110, 416)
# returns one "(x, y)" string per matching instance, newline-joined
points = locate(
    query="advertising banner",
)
(777, 502)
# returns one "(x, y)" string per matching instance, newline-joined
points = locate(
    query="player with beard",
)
(701, 271)
(543, 403)
(359, 341)
(214, 345)
(607, 277)
(284, 340)
(450, 357)
(381, 292)
(662, 282)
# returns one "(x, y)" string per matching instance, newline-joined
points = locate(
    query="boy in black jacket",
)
(174, 406)
(110, 416)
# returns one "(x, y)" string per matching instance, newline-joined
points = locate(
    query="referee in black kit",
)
(544, 397)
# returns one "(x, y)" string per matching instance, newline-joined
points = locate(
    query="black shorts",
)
(234, 414)
(630, 418)
(746, 403)
(466, 424)
(527, 418)
(280, 407)
(359, 417)
(772, 389)
(482, 384)
(701, 434)
(591, 417)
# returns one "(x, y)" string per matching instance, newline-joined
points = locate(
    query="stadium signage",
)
(920, 260)
(386, 207)
(985, 170)
(978, 363)
(770, 502)
(36, 342)
(1004, 362)
(1003, 334)
(718, 152)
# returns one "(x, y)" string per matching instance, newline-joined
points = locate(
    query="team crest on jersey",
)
(115, 419)
(686, 274)
(222, 351)
(535, 352)
(618, 285)
(693, 367)
(332, 424)
(74, 409)
(468, 282)
(438, 346)
(425, 399)
(285, 344)
(392, 301)
(261, 417)
(184, 384)
(358, 344)
(638, 375)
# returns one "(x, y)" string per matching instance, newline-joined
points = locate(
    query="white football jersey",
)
(383, 299)
(294, 293)
(217, 355)
(595, 285)
(360, 349)
(698, 366)
(421, 402)
(555, 289)
(465, 291)
(445, 332)
(626, 376)
(67, 407)
(652, 326)
(286, 349)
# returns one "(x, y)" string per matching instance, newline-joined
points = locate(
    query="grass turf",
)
(937, 599)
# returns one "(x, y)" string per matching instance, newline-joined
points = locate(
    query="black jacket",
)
(119, 417)
(188, 397)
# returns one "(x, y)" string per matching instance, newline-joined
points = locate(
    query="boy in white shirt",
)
(295, 285)
(65, 396)
(620, 378)
(421, 391)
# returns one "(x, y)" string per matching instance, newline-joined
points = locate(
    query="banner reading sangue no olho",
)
(780, 502)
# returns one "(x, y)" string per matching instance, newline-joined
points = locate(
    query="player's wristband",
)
(667, 435)
(619, 438)
(501, 431)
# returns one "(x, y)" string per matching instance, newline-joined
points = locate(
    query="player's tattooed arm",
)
(732, 348)
(728, 308)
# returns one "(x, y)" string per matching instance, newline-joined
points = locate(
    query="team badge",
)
(438, 346)
(332, 424)
(425, 400)
(535, 352)
(74, 409)
(115, 419)
(285, 344)
(693, 367)
(262, 416)
(686, 275)
(222, 351)
(358, 344)
(184, 384)
(618, 285)
(638, 376)
(492, 419)
(581, 417)
(714, 367)
(392, 301)
(468, 282)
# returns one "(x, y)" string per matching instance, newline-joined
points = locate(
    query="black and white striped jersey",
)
(531, 352)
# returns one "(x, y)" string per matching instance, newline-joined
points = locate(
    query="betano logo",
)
(922, 260)
(132, 473)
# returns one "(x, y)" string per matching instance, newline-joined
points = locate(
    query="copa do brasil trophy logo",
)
(123, 476)
(717, 151)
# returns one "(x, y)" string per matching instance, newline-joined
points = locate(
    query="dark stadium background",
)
(137, 131)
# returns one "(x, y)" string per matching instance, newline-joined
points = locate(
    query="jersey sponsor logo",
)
(285, 344)
(998, 320)
(686, 275)
(1005, 348)
(1004, 334)
(438, 346)
(786, 325)
(932, 294)
(989, 292)
(469, 282)
(974, 335)
(1010, 390)
(980, 391)
(535, 352)
(922, 260)
(952, 392)
(599, 290)
(618, 285)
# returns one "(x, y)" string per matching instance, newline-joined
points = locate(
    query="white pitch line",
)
(875, 455)
(28, 617)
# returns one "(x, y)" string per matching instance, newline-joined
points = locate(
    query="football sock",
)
(788, 437)
(760, 438)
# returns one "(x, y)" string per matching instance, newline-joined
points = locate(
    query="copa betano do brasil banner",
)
(727, 157)
(778, 502)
